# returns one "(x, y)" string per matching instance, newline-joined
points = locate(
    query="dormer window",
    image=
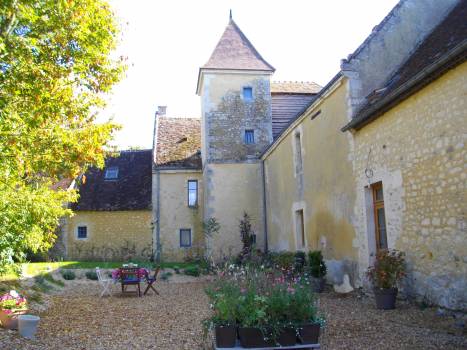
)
(247, 93)
(111, 173)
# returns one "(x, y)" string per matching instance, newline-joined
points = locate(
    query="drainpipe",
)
(158, 216)
(265, 219)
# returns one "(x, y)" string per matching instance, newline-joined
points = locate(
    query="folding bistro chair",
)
(106, 283)
(130, 276)
(150, 280)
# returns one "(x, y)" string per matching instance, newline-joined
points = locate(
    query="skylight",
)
(111, 173)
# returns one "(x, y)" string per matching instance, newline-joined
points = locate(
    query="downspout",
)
(265, 219)
(158, 216)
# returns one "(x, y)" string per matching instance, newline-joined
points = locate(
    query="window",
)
(249, 137)
(300, 228)
(111, 173)
(185, 237)
(192, 193)
(247, 93)
(380, 217)
(82, 232)
(298, 153)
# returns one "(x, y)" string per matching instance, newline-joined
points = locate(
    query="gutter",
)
(453, 58)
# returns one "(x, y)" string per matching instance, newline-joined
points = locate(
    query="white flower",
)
(14, 293)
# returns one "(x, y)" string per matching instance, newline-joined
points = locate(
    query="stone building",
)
(373, 160)
(113, 217)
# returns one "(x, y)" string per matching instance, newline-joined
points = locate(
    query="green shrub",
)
(91, 275)
(166, 275)
(300, 261)
(68, 275)
(192, 271)
(283, 260)
(49, 278)
(177, 269)
(317, 265)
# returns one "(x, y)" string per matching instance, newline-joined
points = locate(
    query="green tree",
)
(56, 66)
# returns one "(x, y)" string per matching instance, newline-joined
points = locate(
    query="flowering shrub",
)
(388, 269)
(12, 302)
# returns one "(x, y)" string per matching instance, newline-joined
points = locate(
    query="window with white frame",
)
(249, 137)
(82, 232)
(185, 237)
(192, 193)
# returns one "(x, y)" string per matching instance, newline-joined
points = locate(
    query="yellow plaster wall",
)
(327, 195)
(231, 190)
(418, 152)
(175, 215)
(112, 235)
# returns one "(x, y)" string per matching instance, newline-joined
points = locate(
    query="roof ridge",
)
(177, 117)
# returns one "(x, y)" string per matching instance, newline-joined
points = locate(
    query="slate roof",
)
(130, 191)
(288, 99)
(178, 143)
(235, 51)
(444, 48)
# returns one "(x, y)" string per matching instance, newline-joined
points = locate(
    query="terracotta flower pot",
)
(385, 298)
(10, 320)
(251, 337)
(309, 333)
(226, 336)
(287, 337)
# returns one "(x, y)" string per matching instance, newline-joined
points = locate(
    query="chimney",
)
(161, 111)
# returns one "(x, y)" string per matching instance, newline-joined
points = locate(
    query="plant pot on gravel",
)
(309, 333)
(385, 274)
(251, 337)
(226, 336)
(385, 298)
(10, 320)
(287, 337)
(318, 270)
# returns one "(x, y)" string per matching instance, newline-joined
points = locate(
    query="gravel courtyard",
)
(78, 319)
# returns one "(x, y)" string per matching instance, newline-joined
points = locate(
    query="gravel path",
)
(79, 319)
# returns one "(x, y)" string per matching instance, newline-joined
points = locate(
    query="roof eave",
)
(448, 61)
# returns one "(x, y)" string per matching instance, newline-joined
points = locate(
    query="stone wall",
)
(417, 150)
(391, 43)
(325, 191)
(226, 116)
(175, 214)
(112, 235)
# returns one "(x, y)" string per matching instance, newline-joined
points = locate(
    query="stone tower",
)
(236, 127)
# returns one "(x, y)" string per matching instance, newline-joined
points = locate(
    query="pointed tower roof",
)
(235, 51)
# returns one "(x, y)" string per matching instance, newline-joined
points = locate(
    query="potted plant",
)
(317, 269)
(223, 297)
(253, 328)
(11, 306)
(385, 274)
(278, 303)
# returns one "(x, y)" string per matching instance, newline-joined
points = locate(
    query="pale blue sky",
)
(167, 41)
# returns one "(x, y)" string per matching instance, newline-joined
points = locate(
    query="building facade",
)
(374, 160)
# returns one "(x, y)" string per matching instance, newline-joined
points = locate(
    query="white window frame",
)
(77, 230)
(180, 237)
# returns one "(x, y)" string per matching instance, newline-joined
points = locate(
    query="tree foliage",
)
(56, 65)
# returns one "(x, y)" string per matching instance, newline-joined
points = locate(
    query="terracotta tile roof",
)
(295, 87)
(447, 42)
(131, 190)
(235, 51)
(178, 143)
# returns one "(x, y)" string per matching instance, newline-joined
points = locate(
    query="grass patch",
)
(41, 285)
